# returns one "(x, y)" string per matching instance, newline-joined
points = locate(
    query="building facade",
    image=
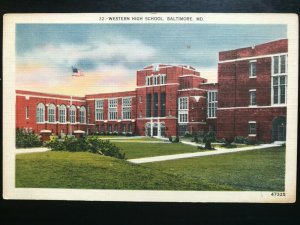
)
(249, 100)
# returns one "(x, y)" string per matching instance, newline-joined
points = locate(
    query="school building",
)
(249, 100)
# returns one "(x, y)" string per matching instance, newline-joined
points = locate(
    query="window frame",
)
(99, 109)
(40, 113)
(62, 114)
(278, 75)
(252, 65)
(53, 115)
(212, 104)
(71, 115)
(251, 92)
(82, 114)
(183, 110)
(126, 108)
(112, 109)
(252, 131)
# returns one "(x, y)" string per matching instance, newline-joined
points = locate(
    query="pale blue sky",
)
(130, 47)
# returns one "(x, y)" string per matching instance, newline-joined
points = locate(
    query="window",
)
(140, 99)
(129, 128)
(155, 105)
(163, 79)
(279, 79)
(51, 113)
(163, 104)
(116, 128)
(252, 128)
(156, 80)
(183, 110)
(155, 68)
(123, 128)
(148, 105)
(252, 69)
(40, 113)
(82, 115)
(212, 104)
(109, 128)
(27, 112)
(252, 94)
(62, 113)
(112, 109)
(72, 114)
(99, 113)
(126, 108)
(183, 103)
(148, 80)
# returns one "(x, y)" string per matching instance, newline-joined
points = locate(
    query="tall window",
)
(279, 79)
(155, 79)
(113, 109)
(252, 69)
(116, 128)
(183, 110)
(163, 104)
(212, 104)
(99, 110)
(72, 114)
(148, 105)
(148, 80)
(62, 114)
(163, 79)
(252, 94)
(155, 105)
(126, 108)
(27, 112)
(40, 113)
(252, 128)
(51, 113)
(82, 115)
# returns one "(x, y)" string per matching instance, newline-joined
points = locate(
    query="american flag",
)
(76, 72)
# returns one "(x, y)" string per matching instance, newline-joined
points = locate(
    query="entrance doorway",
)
(279, 129)
(156, 129)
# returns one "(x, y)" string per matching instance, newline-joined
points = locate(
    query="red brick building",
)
(249, 100)
(252, 92)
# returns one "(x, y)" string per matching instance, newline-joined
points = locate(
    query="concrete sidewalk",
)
(199, 154)
(31, 150)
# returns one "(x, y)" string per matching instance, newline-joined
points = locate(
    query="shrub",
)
(170, 139)
(176, 139)
(27, 139)
(228, 145)
(187, 134)
(91, 144)
(240, 140)
(208, 138)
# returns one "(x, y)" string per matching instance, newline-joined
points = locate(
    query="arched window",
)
(51, 113)
(72, 114)
(82, 115)
(62, 114)
(40, 113)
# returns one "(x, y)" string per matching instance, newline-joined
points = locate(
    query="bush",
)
(187, 134)
(170, 139)
(176, 139)
(240, 140)
(208, 138)
(26, 139)
(92, 144)
(228, 145)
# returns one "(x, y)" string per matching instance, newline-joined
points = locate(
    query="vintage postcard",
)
(164, 107)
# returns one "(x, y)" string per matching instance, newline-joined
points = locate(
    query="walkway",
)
(31, 150)
(199, 154)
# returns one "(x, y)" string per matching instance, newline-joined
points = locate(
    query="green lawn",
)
(87, 170)
(132, 139)
(259, 170)
(140, 150)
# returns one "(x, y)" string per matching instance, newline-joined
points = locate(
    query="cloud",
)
(62, 55)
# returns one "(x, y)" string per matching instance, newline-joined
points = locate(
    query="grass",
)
(120, 137)
(257, 170)
(140, 150)
(87, 170)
